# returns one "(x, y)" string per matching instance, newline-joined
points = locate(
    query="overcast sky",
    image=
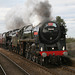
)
(63, 8)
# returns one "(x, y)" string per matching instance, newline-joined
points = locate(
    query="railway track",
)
(68, 68)
(11, 68)
(62, 70)
(2, 72)
(50, 72)
(42, 67)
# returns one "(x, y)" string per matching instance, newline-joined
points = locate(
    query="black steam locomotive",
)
(45, 43)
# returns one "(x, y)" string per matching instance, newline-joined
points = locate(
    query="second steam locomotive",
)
(45, 43)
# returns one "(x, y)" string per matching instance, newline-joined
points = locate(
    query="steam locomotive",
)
(45, 43)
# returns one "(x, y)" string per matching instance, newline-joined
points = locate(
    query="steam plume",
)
(43, 10)
(32, 12)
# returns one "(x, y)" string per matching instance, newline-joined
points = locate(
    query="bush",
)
(70, 40)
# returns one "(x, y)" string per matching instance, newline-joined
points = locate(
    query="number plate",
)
(50, 28)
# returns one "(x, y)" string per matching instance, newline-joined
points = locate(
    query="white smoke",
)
(32, 12)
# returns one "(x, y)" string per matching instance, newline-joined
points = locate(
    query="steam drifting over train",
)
(44, 43)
